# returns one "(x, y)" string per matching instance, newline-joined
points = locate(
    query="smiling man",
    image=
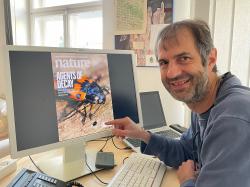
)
(214, 152)
(188, 64)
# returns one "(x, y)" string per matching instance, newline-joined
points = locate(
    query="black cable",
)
(74, 183)
(69, 184)
(108, 138)
(39, 169)
(99, 140)
(92, 172)
(124, 159)
(123, 148)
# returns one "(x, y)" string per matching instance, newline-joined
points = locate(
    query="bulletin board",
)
(157, 14)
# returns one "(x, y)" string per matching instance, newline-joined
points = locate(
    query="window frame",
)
(65, 11)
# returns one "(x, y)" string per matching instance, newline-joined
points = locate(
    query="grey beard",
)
(200, 91)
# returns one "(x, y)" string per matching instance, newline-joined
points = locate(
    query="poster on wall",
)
(130, 16)
(159, 14)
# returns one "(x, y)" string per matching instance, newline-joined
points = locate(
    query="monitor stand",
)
(68, 163)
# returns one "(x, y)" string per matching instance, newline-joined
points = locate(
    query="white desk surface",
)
(170, 178)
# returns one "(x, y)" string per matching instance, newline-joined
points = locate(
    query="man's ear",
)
(212, 58)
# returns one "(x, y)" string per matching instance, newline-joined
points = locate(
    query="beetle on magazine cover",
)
(86, 98)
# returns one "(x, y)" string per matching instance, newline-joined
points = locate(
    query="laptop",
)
(153, 119)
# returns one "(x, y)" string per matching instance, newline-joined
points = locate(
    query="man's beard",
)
(197, 91)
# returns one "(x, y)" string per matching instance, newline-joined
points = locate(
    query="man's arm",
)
(186, 174)
(225, 154)
(125, 127)
(171, 151)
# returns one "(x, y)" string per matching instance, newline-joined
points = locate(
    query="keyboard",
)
(139, 170)
(169, 133)
(134, 142)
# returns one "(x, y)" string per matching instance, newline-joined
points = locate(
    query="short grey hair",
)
(201, 34)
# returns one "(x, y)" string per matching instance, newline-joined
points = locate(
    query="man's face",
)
(182, 72)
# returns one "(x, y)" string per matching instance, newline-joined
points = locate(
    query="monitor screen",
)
(152, 111)
(56, 95)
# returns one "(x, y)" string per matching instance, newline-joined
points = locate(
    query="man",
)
(215, 151)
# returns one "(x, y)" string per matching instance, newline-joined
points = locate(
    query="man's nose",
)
(173, 70)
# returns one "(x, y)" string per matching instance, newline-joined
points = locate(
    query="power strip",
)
(7, 167)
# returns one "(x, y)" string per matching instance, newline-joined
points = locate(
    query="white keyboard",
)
(139, 170)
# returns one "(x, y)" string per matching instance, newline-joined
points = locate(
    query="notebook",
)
(153, 119)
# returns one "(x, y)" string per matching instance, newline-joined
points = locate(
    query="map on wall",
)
(159, 14)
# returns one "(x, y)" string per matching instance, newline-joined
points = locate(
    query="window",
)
(85, 30)
(59, 23)
(48, 31)
(51, 3)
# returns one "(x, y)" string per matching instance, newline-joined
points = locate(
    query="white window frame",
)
(64, 10)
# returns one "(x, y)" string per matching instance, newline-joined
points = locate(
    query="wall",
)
(232, 38)
(2, 44)
(229, 23)
(149, 77)
(201, 9)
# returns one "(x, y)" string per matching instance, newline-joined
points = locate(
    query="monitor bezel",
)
(10, 108)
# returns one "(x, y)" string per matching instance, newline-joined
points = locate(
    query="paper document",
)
(130, 16)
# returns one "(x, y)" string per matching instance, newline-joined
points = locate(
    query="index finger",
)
(117, 122)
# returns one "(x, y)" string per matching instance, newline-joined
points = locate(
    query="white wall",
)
(229, 24)
(149, 77)
(182, 9)
(2, 44)
(201, 9)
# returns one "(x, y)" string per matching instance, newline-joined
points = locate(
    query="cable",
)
(92, 172)
(39, 169)
(108, 138)
(74, 183)
(69, 184)
(112, 138)
(123, 148)
(124, 159)
(100, 140)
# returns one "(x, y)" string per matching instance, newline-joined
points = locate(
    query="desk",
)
(170, 178)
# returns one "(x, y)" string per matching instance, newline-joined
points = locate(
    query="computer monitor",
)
(152, 111)
(61, 97)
